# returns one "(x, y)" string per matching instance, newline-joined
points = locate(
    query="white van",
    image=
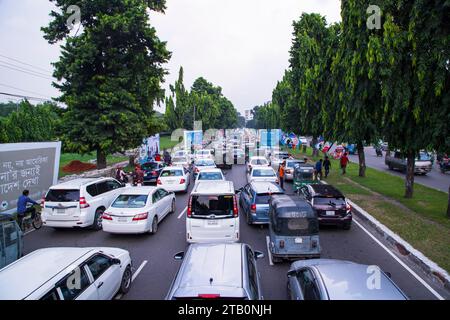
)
(67, 274)
(79, 202)
(212, 213)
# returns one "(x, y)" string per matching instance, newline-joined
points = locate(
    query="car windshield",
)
(130, 201)
(62, 195)
(172, 173)
(334, 202)
(210, 176)
(263, 173)
(216, 205)
(202, 153)
(423, 156)
(150, 166)
(296, 226)
(304, 173)
(292, 164)
(179, 159)
(259, 162)
(203, 163)
(281, 155)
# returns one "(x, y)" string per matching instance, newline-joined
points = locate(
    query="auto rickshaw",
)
(303, 175)
(293, 229)
(11, 240)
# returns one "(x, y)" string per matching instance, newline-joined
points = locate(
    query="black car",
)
(331, 206)
(152, 171)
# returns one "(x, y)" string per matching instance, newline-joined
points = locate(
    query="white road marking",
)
(139, 270)
(426, 285)
(269, 254)
(181, 214)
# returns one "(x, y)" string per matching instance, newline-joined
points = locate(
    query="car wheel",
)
(97, 225)
(390, 167)
(347, 226)
(276, 260)
(172, 208)
(126, 281)
(249, 221)
(154, 225)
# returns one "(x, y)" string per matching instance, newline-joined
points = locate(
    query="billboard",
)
(32, 166)
(269, 138)
(193, 139)
(149, 148)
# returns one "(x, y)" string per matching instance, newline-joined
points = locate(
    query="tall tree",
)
(177, 104)
(110, 72)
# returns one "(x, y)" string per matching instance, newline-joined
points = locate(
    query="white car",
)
(277, 158)
(182, 154)
(210, 174)
(212, 213)
(67, 274)
(181, 162)
(203, 164)
(174, 179)
(138, 210)
(262, 173)
(79, 202)
(203, 154)
(257, 161)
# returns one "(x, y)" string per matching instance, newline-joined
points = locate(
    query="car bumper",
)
(255, 219)
(195, 239)
(173, 187)
(288, 176)
(336, 221)
(76, 223)
(125, 228)
(293, 256)
(150, 180)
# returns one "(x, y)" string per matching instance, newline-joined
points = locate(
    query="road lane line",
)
(415, 275)
(181, 214)
(269, 254)
(139, 270)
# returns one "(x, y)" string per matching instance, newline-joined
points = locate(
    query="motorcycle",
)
(378, 152)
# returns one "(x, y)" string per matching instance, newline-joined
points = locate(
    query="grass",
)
(165, 142)
(421, 221)
(66, 158)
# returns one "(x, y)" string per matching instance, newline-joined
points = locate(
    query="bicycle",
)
(34, 219)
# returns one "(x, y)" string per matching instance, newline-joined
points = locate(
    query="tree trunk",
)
(448, 205)
(409, 179)
(131, 160)
(101, 159)
(361, 159)
(314, 150)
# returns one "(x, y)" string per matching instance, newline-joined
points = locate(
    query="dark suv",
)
(331, 206)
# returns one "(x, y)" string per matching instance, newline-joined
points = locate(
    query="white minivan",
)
(67, 274)
(212, 213)
(79, 202)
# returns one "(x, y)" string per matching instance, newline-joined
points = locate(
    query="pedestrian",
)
(305, 159)
(281, 174)
(138, 176)
(318, 169)
(121, 175)
(22, 209)
(344, 162)
(327, 166)
(167, 157)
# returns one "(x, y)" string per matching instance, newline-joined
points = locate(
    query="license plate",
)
(298, 240)
(170, 182)
(330, 213)
(122, 219)
(213, 223)
(60, 211)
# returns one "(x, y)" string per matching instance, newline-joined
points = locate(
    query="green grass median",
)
(421, 221)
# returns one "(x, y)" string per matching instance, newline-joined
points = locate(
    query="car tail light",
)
(43, 201)
(288, 171)
(235, 207)
(281, 243)
(154, 173)
(197, 170)
(141, 216)
(314, 244)
(106, 216)
(83, 203)
(348, 208)
(209, 296)
(159, 181)
(253, 208)
(182, 181)
(189, 209)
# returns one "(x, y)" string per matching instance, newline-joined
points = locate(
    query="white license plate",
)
(170, 182)
(122, 219)
(330, 213)
(213, 223)
(60, 211)
(298, 240)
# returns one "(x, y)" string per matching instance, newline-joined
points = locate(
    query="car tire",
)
(97, 224)
(154, 227)
(347, 226)
(125, 283)
(276, 260)
(172, 207)
(249, 221)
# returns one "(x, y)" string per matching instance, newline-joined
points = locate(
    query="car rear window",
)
(329, 201)
(204, 163)
(130, 201)
(62, 195)
(263, 198)
(292, 164)
(179, 159)
(296, 227)
(150, 166)
(210, 176)
(259, 162)
(172, 173)
(208, 205)
(263, 173)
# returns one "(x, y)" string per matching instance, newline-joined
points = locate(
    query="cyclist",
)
(22, 209)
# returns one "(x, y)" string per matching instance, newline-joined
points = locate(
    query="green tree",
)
(177, 104)
(110, 73)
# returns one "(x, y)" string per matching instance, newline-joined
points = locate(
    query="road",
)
(434, 179)
(155, 277)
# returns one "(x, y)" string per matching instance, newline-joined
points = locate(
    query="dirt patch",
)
(77, 166)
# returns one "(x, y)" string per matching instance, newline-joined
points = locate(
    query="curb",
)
(438, 274)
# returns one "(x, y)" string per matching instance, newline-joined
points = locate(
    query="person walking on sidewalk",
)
(344, 161)
(327, 166)
(318, 169)
(281, 174)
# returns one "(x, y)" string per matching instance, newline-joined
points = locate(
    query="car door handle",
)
(99, 285)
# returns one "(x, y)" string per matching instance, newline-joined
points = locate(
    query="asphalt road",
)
(156, 275)
(434, 179)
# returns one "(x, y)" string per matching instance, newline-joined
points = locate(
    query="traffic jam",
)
(233, 218)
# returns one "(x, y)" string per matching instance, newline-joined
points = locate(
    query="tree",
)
(110, 74)
(177, 104)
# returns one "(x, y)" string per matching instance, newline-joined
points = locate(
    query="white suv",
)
(213, 213)
(79, 203)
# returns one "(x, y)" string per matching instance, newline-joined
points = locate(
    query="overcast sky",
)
(240, 45)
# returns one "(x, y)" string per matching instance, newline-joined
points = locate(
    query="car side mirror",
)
(116, 261)
(179, 255)
(259, 255)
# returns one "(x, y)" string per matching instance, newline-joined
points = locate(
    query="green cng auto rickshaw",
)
(293, 229)
(303, 175)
